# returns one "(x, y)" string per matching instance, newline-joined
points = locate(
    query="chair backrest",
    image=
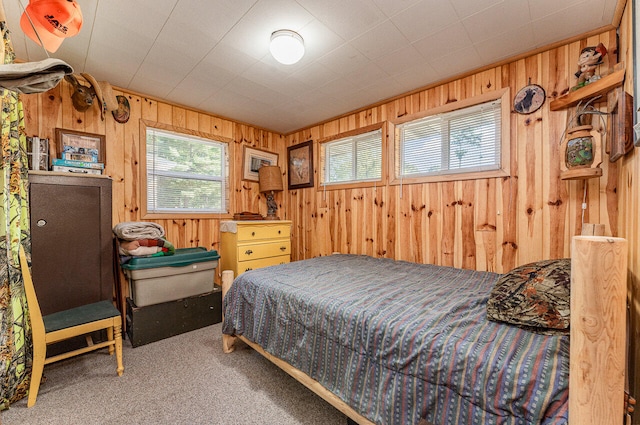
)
(37, 324)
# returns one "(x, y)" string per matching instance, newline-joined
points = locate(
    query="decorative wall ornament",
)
(590, 58)
(619, 123)
(529, 99)
(121, 114)
(582, 151)
(300, 160)
(253, 159)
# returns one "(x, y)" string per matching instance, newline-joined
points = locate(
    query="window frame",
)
(145, 213)
(504, 168)
(322, 186)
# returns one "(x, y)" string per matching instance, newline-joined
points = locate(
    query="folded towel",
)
(141, 251)
(137, 243)
(132, 230)
(145, 248)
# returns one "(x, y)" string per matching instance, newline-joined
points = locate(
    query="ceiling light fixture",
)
(287, 47)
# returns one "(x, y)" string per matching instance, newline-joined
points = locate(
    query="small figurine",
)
(590, 58)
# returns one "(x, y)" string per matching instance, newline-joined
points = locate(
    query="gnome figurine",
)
(590, 58)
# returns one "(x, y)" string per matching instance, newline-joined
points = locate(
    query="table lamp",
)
(270, 178)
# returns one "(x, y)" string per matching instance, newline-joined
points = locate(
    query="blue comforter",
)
(400, 341)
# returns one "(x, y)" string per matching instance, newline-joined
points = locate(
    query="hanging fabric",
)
(15, 333)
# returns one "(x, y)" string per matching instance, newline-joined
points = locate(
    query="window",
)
(352, 159)
(185, 173)
(466, 142)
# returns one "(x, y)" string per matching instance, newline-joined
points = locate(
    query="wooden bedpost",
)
(598, 330)
(228, 341)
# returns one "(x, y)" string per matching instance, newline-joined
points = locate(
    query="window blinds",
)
(352, 159)
(185, 173)
(465, 140)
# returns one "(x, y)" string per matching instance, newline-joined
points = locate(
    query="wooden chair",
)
(67, 324)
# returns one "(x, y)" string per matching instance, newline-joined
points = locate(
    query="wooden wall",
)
(44, 112)
(487, 224)
(629, 218)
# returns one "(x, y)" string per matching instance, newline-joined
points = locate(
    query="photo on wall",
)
(253, 159)
(300, 160)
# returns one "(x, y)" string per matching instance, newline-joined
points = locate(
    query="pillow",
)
(535, 296)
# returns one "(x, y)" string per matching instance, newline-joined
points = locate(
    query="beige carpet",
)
(185, 379)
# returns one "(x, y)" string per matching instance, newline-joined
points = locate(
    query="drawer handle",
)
(246, 270)
(253, 233)
(248, 252)
(283, 248)
(279, 231)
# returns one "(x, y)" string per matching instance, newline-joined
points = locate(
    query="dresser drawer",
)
(263, 231)
(249, 245)
(245, 266)
(254, 251)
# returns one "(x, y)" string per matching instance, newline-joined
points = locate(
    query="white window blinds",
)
(465, 140)
(185, 173)
(353, 159)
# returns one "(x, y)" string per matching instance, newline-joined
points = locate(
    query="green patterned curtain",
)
(15, 332)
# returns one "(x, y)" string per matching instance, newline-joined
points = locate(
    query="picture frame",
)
(300, 165)
(253, 159)
(619, 132)
(80, 146)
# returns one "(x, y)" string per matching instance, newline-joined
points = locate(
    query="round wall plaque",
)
(529, 99)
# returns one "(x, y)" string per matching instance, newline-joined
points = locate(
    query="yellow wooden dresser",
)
(249, 245)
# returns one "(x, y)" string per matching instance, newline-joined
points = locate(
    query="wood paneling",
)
(627, 213)
(46, 111)
(486, 224)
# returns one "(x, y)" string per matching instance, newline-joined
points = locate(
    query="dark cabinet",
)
(71, 240)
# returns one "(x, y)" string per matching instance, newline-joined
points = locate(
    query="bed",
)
(397, 343)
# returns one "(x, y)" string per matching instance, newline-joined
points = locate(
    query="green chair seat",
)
(79, 316)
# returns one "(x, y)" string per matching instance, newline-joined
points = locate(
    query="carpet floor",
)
(186, 379)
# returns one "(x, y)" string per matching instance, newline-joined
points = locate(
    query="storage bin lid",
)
(182, 257)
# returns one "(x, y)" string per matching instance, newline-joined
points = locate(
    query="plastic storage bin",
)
(154, 280)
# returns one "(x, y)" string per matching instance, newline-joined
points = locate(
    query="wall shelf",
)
(581, 174)
(597, 88)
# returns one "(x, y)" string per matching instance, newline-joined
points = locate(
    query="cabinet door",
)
(72, 248)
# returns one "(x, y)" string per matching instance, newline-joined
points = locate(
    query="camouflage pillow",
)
(535, 296)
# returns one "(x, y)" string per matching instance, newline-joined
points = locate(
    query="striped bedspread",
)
(400, 341)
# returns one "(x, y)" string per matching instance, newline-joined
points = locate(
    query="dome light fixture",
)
(287, 46)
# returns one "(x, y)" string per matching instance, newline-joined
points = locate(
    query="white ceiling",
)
(213, 55)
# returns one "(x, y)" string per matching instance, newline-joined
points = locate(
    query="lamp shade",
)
(270, 178)
(287, 46)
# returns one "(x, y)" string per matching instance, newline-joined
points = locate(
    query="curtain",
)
(15, 333)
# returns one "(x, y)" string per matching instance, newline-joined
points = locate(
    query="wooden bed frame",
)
(598, 335)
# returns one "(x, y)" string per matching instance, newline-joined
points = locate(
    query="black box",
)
(158, 321)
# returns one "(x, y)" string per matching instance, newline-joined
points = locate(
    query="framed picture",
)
(79, 146)
(253, 159)
(300, 160)
(619, 123)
